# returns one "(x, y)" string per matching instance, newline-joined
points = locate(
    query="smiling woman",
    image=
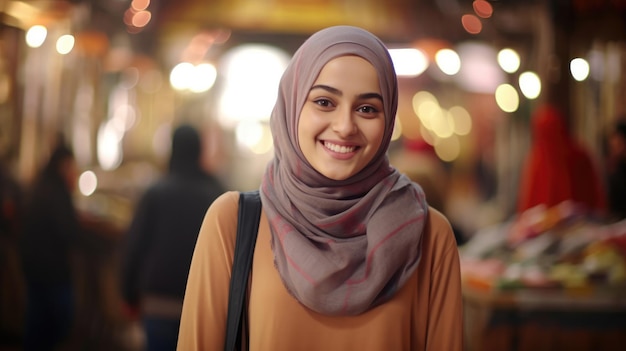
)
(342, 123)
(349, 255)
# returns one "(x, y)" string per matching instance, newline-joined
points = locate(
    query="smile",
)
(342, 149)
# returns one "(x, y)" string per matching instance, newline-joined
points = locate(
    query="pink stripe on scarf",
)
(279, 222)
(351, 283)
(369, 256)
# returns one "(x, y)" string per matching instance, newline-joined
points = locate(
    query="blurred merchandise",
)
(558, 247)
(551, 278)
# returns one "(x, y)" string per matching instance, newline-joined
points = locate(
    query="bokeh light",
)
(471, 24)
(87, 183)
(442, 124)
(462, 120)
(205, 75)
(480, 72)
(509, 60)
(36, 36)
(507, 98)
(448, 149)
(448, 61)
(408, 62)
(397, 129)
(254, 136)
(140, 5)
(180, 75)
(65, 44)
(579, 69)
(251, 75)
(530, 84)
(109, 150)
(141, 19)
(482, 8)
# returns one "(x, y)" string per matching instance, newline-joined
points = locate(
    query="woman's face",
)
(342, 123)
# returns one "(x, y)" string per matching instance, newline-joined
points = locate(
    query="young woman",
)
(349, 256)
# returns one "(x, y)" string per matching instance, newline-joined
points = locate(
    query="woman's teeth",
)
(339, 148)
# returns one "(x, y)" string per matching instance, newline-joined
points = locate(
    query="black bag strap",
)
(247, 228)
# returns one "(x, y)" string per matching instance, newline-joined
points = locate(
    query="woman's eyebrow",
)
(327, 88)
(336, 91)
(371, 96)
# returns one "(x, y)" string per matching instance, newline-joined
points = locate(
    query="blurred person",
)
(616, 170)
(161, 239)
(51, 230)
(418, 161)
(349, 254)
(558, 168)
(10, 202)
(11, 300)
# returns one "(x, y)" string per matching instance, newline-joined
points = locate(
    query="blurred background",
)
(114, 78)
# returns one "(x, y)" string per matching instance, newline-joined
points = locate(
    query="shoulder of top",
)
(438, 219)
(224, 208)
(228, 198)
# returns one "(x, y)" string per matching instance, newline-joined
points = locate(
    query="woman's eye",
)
(367, 109)
(323, 102)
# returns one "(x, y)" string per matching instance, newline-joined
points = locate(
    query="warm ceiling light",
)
(471, 24)
(65, 44)
(448, 61)
(36, 35)
(408, 62)
(509, 60)
(140, 5)
(579, 68)
(141, 19)
(482, 8)
(530, 84)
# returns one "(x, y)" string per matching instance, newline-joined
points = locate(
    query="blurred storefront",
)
(112, 77)
(112, 94)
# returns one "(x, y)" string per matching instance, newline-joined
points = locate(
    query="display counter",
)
(549, 279)
(545, 319)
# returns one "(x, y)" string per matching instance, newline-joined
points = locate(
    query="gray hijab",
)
(340, 247)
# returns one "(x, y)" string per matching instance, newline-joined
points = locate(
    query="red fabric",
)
(558, 168)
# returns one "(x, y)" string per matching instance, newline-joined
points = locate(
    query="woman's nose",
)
(343, 123)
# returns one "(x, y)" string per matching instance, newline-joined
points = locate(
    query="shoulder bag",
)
(247, 229)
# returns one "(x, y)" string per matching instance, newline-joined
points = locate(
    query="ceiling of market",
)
(287, 22)
(392, 19)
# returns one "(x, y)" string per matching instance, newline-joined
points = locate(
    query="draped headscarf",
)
(341, 247)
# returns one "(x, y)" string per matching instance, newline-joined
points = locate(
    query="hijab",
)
(341, 247)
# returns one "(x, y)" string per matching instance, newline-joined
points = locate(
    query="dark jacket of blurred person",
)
(558, 167)
(10, 204)
(616, 170)
(11, 300)
(162, 237)
(50, 231)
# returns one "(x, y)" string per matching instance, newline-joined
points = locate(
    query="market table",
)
(545, 319)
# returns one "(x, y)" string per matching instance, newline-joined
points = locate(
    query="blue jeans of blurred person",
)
(161, 333)
(49, 316)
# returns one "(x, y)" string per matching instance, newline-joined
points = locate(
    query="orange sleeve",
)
(203, 320)
(445, 325)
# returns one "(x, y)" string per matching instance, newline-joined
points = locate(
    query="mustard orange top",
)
(425, 314)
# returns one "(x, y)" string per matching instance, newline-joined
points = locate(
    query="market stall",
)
(549, 279)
